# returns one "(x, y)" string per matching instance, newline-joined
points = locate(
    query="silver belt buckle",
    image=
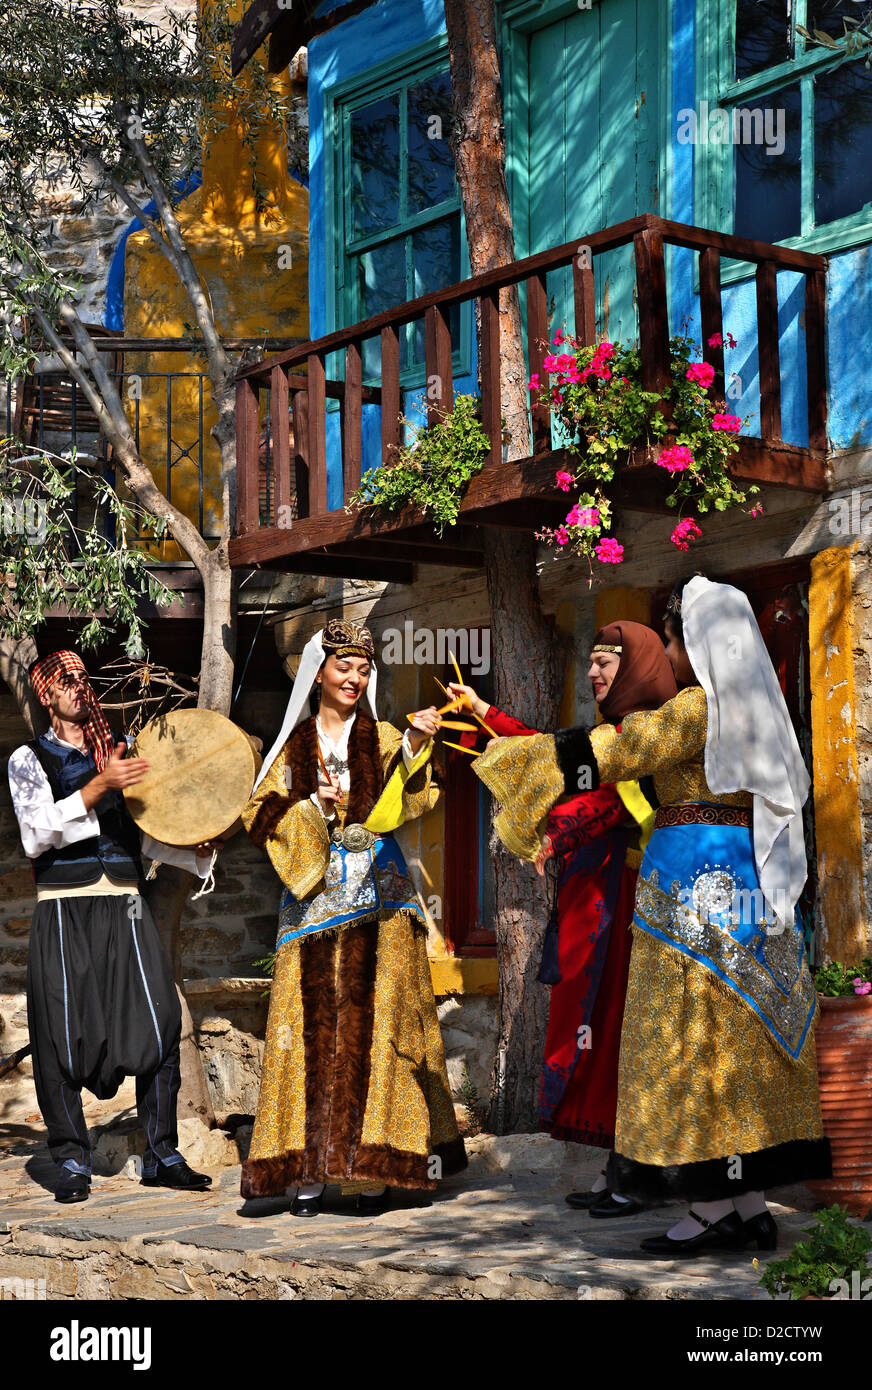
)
(355, 838)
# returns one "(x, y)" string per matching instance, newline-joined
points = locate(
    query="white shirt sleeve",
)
(178, 855)
(406, 747)
(45, 823)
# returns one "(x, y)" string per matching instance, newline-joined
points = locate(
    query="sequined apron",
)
(358, 884)
(698, 891)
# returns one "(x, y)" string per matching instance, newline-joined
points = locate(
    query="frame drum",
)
(202, 771)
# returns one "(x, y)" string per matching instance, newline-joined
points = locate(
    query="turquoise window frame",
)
(398, 74)
(714, 171)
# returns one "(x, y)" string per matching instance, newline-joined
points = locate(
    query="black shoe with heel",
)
(726, 1234)
(74, 1187)
(761, 1230)
(609, 1206)
(307, 1206)
(581, 1201)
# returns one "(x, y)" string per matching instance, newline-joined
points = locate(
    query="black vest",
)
(115, 851)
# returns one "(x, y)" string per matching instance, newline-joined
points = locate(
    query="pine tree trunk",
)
(528, 663)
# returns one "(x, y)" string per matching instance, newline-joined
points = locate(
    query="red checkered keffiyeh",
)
(98, 735)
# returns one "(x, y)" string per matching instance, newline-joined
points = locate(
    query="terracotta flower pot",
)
(844, 1051)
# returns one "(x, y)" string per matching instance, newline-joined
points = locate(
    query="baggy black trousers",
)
(102, 1005)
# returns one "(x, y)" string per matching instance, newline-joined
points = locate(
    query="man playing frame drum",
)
(101, 1001)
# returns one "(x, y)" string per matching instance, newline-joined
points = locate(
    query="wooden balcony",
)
(290, 445)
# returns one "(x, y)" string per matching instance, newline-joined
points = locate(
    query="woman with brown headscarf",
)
(593, 843)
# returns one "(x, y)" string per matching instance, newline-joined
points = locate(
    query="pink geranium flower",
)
(533, 383)
(703, 373)
(686, 530)
(564, 481)
(609, 552)
(558, 338)
(676, 459)
(549, 362)
(717, 341)
(862, 986)
(583, 516)
(561, 535)
(731, 424)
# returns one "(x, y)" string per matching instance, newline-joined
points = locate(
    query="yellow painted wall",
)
(254, 264)
(836, 784)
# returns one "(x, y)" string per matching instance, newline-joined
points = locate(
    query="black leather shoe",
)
(371, 1203)
(607, 1206)
(762, 1230)
(726, 1234)
(76, 1187)
(581, 1201)
(177, 1175)
(307, 1206)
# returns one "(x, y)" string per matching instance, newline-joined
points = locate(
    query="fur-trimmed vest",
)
(301, 760)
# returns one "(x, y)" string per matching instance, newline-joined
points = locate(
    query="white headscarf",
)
(750, 744)
(298, 705)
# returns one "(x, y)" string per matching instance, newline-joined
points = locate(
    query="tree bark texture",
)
(528, 662)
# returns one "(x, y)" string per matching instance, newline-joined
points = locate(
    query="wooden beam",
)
(711, 313)
(352, 421)
(584, 295)
(247, 451)
(653, 310)
(281, 441)
(300, 415)
(537, 347)
(489, 373)
(345, 567)
(437, 355)
(767, 350)
(317, 435)
(816, 358)
(391, 402)
(400, 549)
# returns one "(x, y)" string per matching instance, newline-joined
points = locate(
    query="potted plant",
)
(833, 1263)
(844, 1051)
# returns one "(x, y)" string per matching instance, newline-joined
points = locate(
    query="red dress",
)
(595, 896)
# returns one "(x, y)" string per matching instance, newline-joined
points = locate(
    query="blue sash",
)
(698, 891)
(359, 885)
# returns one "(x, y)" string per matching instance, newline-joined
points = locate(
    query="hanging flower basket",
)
(596, 399)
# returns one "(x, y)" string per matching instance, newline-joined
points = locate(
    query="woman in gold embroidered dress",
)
(354, 1087)
(717, 1090)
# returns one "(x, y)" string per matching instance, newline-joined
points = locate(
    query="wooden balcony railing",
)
(372, 545)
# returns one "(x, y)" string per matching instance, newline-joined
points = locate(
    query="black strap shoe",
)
(75, 1187)
(726, 1234)
(307, 1206)
(177, 1175)
(761, 1230)
(371, 1203)
(582, 1200)
(608, 1205)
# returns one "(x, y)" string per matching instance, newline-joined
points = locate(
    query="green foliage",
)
(836, 980)
(431, 472)
(46, 561)
(837, 1248)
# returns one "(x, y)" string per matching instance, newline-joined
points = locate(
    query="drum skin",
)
(202, 769)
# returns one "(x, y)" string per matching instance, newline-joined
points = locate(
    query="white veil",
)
(298, 705)
(750, 744)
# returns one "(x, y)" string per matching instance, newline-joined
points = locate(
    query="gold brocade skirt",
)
(354, 1087)
(701, 1081)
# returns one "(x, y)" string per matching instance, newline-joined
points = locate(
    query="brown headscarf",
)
(645, 679)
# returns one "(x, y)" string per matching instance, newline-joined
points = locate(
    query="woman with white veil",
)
(717, 1090)
(354, 1088)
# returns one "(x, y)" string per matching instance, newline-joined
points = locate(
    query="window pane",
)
(829, 15)
(763, 34)
(768, 181)
(842, 141)
(375, 166)
(436, 264)
(431, 163)
(381, 285)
